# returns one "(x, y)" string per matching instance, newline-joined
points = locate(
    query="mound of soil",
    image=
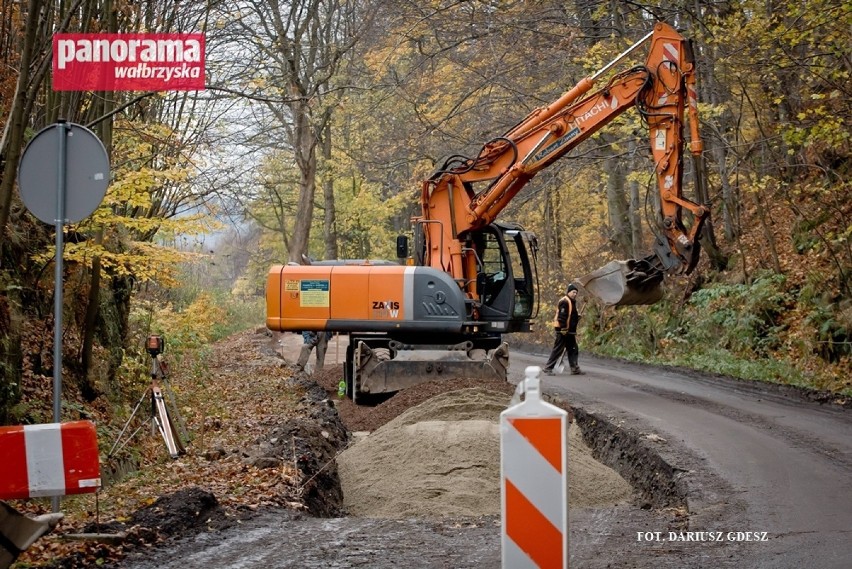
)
(442, 458)
(371, 417)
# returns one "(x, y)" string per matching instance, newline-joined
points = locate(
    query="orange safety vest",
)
(568, 317)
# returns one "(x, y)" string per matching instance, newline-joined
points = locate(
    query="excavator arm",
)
(465, 194)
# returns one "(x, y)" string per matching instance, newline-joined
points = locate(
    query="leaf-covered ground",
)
(245, 392)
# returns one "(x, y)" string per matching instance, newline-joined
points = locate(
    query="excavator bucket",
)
(621, 283)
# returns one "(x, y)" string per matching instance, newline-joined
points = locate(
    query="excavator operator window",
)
(493, 267)
(521, 252)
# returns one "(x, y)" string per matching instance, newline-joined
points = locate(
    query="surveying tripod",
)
(164, 411)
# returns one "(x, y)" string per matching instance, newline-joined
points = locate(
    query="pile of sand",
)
(442, 458)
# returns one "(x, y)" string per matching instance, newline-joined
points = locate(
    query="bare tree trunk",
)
(305, 144)
(93, 306)
(551, 239)
(759, 200)
(635, 213)
(620, 235)
(729, 200)
(87, 384)
(329, 219)
(12, 139)
(708, 235)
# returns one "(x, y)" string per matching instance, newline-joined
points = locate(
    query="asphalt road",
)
(755, 460)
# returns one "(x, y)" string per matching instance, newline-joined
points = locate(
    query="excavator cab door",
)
(494, 273)
(507, 277)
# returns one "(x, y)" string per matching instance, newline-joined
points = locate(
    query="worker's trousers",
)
(564, 343)
(305, 353)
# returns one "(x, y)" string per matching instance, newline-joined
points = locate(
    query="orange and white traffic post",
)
(52, 459)
(533, 481)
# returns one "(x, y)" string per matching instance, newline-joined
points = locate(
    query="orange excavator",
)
(442, 312)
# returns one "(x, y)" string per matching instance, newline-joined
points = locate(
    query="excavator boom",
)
(660, 91)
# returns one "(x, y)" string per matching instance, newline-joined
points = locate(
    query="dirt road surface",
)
(725, 475)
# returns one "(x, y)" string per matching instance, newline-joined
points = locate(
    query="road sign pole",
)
(57, 294)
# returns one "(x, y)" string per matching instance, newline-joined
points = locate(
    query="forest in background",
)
(321, 117)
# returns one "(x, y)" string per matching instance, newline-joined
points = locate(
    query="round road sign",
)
(86, 173)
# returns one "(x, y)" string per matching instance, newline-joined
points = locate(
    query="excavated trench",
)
(654, 482)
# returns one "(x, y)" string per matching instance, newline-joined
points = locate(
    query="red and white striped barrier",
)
(52, 459)
(533, 481)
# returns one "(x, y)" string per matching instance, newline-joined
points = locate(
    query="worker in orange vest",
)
(565, 331)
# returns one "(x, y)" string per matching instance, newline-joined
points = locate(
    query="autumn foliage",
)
(320, 155)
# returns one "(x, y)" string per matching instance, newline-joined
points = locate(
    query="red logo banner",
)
(128, 62)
